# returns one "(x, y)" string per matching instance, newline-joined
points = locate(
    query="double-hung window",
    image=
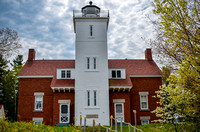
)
(38, 101)
(91, 98)
(143, 100)
(91, 63)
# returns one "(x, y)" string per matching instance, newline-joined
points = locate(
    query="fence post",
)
(121, 126)
(107, 130)
(84, 123)
(129, 127)
(80, 122)
(93, 125)
(99, 127)
(135, 130)
(134, 111)
(111, 117)
(115, 125)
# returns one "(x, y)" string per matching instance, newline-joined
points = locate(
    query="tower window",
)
(95, 62)
(95, 98)
(88, 62)
(88, 98)
(91, 30)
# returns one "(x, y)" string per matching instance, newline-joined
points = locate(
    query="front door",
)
(119, 112)
(64, 113)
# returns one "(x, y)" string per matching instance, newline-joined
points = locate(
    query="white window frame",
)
(67, 74)
(91, 63)
(144, 120)
(144, 94)
(38, 95)
(116, 73)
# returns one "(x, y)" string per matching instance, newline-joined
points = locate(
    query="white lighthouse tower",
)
(91, 66)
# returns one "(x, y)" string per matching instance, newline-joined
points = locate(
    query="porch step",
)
(63, 124)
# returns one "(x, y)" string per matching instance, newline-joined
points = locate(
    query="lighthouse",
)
(91, 65)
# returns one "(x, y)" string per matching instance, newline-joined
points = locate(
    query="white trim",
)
(144, 123)
(38, 93)
(120, 87)
(143, 93)
(37, 119)
(64, 101)
(146, 101)
(36, 76)
(144, 117)
(145, 75)
(118, 100)
(61, 88)
(38, 110)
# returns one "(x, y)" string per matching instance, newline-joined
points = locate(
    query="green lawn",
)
(6, 126)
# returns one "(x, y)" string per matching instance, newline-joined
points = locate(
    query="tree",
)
(177, 42)
(9, 42)
(9, 87)
(177, 29)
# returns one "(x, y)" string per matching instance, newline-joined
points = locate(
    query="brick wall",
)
(121, 95)
(142, 85)
(62, 96)
(26, 100)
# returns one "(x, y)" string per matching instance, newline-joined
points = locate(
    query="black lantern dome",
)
(90, 10)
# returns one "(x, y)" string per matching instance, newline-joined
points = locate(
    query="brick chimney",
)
(31, 55)
(148, 54)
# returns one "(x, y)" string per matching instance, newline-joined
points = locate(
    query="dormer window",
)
(65, 74)
(116, 74)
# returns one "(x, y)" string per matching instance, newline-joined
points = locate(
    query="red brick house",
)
(92, 86)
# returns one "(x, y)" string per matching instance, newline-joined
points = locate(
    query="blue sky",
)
(47, 26)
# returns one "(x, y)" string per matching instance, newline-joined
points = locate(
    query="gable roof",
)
(49, 68)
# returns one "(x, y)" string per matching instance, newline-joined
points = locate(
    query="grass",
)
(6, 126)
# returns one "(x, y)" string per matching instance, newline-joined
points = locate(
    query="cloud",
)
(47, 26)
